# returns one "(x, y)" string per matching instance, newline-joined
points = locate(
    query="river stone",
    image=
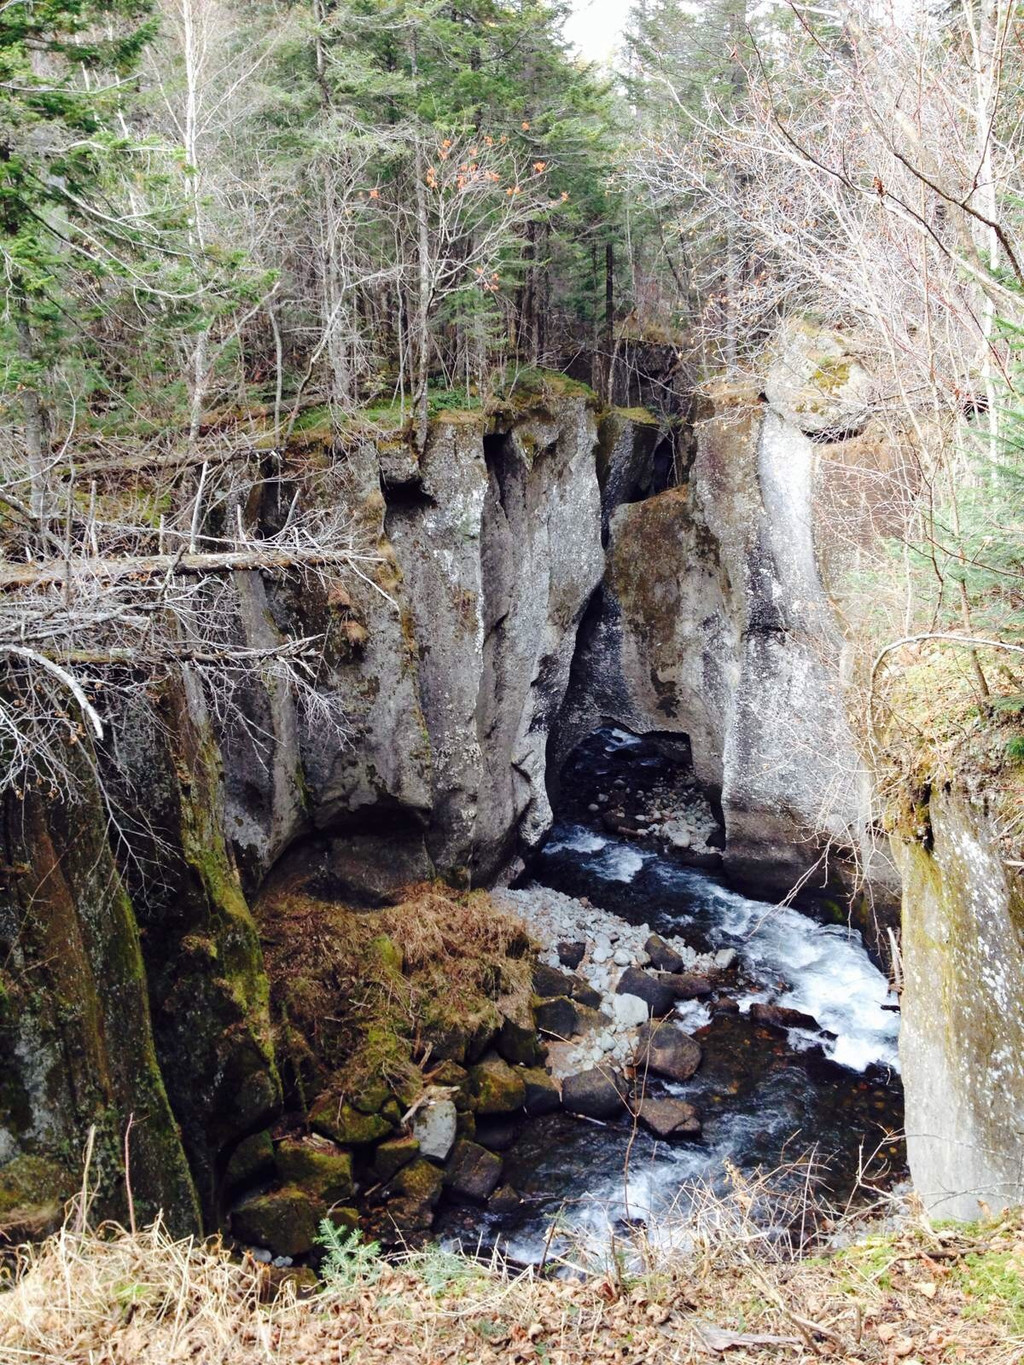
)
(517, 1042)
(473, 1171)
(780, 1016)
(434, 1128)
(687, 985)
(666, 1050)
(630, 1010)
(725, 958)
(495, 1087)
(585, 994)
(284, 1220)
(660, 998)
(317, 1166)
(669, 1118)
(725, 1005)
(571, 954)
(549, 981)
(542, 1093)
(662, 956)
(499, 1133)
(504, 1200)
(556, 1018)
(389, 1157)
(597, 1094)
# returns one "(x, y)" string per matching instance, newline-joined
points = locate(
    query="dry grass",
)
(924, 1294)
(366, 990)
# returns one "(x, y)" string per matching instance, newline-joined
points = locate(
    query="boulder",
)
(284, 1221)
(472, 1171)
(585, 994)
(597, 1094)
(630, 1010)
(666, 1050)
(504, 1200)
(662, 956)
(687, 985)
(389, 1157)
(419, 1182)
(549, 981)
(495, 1087)
(434, 1128)
(517, 1040)
(317, 1166)
(571, 954)
(542, 1093)
(252, 1160)
(780, 1016)
(345, 1124)
(556, 1017)
(669, 1118)
(589, 1021)
(725, 1005)
(659, 997)
(497, 1134)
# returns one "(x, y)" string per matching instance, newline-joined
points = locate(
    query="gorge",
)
(533, 576)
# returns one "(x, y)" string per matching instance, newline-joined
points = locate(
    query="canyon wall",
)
(962, 1031)
(528, 577)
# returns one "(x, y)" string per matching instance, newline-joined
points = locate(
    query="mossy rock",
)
(496, 1088)
(542, 1093)
(371, 1097)
(392, 1155)
(317, 1166)
(346, 1218)
(456, 1079)
(251, 1159)
(32, 1194)
(345, 1124)
(465, 1125)
(285, 1221)
(518, 1042)
(420, 1182)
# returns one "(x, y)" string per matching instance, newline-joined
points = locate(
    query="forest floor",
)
(921, 1293)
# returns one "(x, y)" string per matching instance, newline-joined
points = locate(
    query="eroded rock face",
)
(490, 548)
(498, 561)
(816, 382)
(962, 1030)
(713, 623)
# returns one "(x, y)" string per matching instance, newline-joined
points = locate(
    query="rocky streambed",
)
(668, 1034)
(692, 1030)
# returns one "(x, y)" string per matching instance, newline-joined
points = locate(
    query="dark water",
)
(768, 1099)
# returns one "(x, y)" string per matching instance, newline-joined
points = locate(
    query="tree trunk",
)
(609, 322)
(32, 409)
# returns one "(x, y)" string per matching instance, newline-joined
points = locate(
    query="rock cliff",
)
(962, 1034)
(712, 622)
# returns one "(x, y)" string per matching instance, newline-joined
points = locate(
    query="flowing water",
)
(768, 1099)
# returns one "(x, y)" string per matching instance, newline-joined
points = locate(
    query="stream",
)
(820, 1105)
